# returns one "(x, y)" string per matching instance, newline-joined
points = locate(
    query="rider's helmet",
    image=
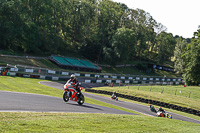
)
(160, 108)
(73, 77)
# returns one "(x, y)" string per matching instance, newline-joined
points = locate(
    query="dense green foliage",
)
(100, 30)
(191, 58)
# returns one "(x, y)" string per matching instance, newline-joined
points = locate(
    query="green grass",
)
(145, 104)
(134, 71)
(90, 123)
(168, 95)
(79, 122)
(45, 63)
(28, 85)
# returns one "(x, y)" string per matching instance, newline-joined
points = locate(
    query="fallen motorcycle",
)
(114, 98)
(151, 107)
(168, 116)
(160, 114)
(70, 93)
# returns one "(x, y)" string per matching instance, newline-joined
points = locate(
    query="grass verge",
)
(183, 96)
(79, 122)
(90, 123)
(166, 109)
(28, 85)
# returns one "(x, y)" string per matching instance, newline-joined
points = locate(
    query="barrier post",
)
(189, 94)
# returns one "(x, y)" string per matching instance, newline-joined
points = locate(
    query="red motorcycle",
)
(70, 93)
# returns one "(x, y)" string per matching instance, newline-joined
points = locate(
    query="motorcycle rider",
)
(74, 82)
(114, 95)
(161, 110)
(152, 108)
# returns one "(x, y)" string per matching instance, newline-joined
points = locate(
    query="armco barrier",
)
(163, 104)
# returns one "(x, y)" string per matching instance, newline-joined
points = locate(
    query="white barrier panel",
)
(177, 83)
(174, 79)
(164, 83)
(97, 76)
(114, 77)
(168, 79)
(12, 74)
(109, 81)
(0, 68)
(144, 78)
(130, 77)
(150, 82)
(157, 79)
(26, 75)
(29, 70)
(42, 77)
(122, 77)
(135, 82)
(127, 81)
(171, 83)
(179, 79)
(143, 82)
(151, 79)
(87, 81)
(137, 78)
(51, 71)
(65, 73)
(14, 69)
(105, 76)
(163, 79)
(87, 75)
(77, 74)
(118, 81)
(55, 78)
(99, 81)
(157, 82)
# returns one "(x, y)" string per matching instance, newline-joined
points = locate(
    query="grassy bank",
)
(183, 96)
(73, 122)
(80, 123)
(45, 63)
(28, 85)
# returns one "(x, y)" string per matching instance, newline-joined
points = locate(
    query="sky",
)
(180, 17)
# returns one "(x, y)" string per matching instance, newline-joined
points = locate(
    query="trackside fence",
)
(44, 73)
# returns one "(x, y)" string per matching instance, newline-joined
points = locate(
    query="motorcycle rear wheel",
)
(65, 96)
(81, 100)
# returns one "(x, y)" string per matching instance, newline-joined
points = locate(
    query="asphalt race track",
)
(15, 101)
(132, 106)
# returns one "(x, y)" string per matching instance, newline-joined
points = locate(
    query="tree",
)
(192, 60)
(165, 46)
(179, 63)
(123, 46)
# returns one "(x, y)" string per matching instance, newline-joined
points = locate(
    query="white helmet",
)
(73, 76)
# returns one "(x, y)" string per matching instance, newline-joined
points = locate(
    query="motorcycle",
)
(160, 114)
(114, 98)
(70, 93)
(152, 109)
(168, 116)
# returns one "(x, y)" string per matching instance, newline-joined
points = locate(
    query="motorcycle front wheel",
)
(66, 96)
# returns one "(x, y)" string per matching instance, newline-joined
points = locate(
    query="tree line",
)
(100, 30)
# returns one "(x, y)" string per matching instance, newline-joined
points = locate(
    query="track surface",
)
(14, 101)
(132, 106)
